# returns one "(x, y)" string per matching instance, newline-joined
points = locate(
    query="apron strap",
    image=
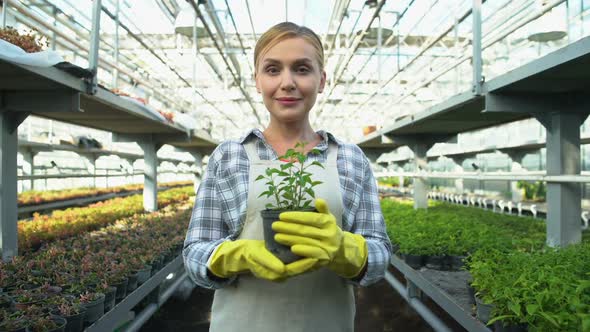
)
(332, 154)
(251, 150)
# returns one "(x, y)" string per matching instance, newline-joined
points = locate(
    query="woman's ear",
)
(257, 85)
(256, 81)
(322, 82)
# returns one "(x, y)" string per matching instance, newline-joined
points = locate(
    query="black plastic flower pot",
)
(94, 310)
(414, 261)
(74, 323)
(109, 298)
(471, 293)
(282, 252)
(5, 302)
(121, 290)
(456, 262)
(132, 283)
(156, 265)
(500, 327)
(144, 274)
(24, 305)
(483, 310)
(14, 326)
(436, 262)
(60, 322)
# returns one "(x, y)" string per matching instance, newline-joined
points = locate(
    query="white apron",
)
(315, 301)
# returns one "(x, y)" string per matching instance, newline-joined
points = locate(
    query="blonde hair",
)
(284, 31)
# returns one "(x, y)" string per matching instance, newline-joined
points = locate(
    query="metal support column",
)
(420, 144)
(150, 177)
(516, 157)
(561, 114)
(563, 158)
(116, 50)
(458, 168)
(129, 170)
(90, 163)
(476, 43)
(28, 168)
(421, 164)
(92, 84)
(4, 10)
(9, 122)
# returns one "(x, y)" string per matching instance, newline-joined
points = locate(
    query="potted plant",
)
(290, 187)
(109, 294)
(13, 321)
(22, 299)
(72, 310)
(46, 323)
(94, 304)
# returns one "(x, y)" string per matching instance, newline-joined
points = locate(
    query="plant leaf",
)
(531, 309)
(317, 163)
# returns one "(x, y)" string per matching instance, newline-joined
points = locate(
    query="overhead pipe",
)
(231, 15)
(417, 56)
(81, 35)
(166, 11)
(236, 78)
(485, 45)
(236, 65)
(340, 9)
(451, 66)
(351, 52)
(399, 40)
(142, 43)
(251, 22)
(114, 17)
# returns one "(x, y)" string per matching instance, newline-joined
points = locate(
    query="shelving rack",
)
(56, 94)
(552, 89)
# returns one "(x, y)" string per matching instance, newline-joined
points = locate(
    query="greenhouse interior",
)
(463, 121)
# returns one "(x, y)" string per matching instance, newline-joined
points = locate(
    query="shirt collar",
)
(323, 145)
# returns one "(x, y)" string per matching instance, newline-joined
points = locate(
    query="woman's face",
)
(289, 78)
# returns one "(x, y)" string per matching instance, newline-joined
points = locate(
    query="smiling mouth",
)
(288, 101)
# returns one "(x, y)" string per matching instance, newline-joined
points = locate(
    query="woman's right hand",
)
(233, 257)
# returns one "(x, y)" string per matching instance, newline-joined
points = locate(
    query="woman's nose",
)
(287, 82)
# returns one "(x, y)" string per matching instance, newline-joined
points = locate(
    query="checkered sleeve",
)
(370, 224)
(207, 229)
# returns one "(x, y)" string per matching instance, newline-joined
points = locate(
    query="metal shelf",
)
(449, 304)
(121, 312)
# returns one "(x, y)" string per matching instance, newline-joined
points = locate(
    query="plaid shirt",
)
(220, 206)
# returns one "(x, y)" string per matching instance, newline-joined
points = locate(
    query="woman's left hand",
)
(317, 235)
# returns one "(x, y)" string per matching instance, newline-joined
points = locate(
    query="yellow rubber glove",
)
(239, 256)
(316, 235)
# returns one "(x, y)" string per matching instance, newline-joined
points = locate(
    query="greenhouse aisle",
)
(379, 309)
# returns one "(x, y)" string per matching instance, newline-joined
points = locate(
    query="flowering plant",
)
(291, 184)
(28, 42)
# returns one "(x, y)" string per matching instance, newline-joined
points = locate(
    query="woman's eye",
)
(303, 69)
(272, 70)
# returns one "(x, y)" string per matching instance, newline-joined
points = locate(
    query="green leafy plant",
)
(291, 184)
(534, 191)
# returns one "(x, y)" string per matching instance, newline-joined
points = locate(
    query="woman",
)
(343, 244)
